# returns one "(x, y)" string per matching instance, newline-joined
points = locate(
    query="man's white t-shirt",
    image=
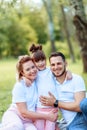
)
(66, 92)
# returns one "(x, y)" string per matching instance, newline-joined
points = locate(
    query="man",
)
(71, 94)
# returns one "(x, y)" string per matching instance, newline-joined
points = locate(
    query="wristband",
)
(56, 103)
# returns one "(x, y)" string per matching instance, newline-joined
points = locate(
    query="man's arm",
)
(71, 106)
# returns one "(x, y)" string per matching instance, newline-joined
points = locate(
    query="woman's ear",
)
(22, 73)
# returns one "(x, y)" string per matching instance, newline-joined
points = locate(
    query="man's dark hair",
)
(55, 54)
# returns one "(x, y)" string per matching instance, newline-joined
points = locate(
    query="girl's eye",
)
(33, 67)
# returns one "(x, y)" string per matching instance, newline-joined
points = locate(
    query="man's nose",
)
(56, 66)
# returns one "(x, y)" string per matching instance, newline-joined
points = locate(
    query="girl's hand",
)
(68, 75)
(27, 81)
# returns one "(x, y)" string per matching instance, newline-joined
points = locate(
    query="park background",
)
(57, 25)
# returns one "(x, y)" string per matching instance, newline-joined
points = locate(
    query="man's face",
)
(58, 66)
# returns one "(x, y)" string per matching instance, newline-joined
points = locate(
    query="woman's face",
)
(29, 70)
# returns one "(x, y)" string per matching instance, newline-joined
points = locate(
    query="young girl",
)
(45, 84)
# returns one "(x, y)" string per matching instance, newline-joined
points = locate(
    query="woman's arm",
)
(52, 116)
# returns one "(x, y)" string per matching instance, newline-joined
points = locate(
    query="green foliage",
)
(60, 46)
(21, 24)
(47, 48)
(15, 33)
(58, 35)
(23, 34)
(38, 21)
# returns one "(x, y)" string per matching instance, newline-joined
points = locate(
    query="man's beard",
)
(64, 71)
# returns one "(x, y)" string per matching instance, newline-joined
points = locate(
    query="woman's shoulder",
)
(19, 85)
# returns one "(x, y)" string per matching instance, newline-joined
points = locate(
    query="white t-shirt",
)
(22, 93)
(66, 92)
(45, 83)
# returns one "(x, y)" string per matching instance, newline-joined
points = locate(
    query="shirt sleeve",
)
(18, 93)
(79, 84)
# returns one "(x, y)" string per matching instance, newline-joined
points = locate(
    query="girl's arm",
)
(27, 81)
(68, 75)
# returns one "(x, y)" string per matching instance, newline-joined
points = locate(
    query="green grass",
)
(7, 80)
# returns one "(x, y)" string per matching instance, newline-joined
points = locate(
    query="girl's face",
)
(41, 64)
(29, 70)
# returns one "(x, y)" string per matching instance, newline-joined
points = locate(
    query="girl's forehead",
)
(40, 60)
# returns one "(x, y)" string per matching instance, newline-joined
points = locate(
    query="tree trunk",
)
(71, 52)
(80, 23)
(48, 7)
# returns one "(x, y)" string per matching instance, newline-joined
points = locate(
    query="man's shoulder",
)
(77, 78)
(76, 75)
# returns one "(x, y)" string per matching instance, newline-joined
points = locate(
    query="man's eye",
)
(58, 63)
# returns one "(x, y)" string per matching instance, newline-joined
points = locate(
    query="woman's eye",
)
(27, 69)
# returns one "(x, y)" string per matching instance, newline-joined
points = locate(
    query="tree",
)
(15, 32)
(80, 23)
(48, 6)
(71, 52)
(38, 23)
(20, 34)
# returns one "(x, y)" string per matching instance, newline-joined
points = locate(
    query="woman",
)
(21, 114)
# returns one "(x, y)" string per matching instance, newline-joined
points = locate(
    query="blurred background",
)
(58, 25)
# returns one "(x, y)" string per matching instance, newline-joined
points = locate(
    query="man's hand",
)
(48, 101)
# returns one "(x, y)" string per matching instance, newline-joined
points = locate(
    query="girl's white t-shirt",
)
(45, 84)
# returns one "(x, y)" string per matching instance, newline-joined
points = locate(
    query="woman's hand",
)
(53, 115)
